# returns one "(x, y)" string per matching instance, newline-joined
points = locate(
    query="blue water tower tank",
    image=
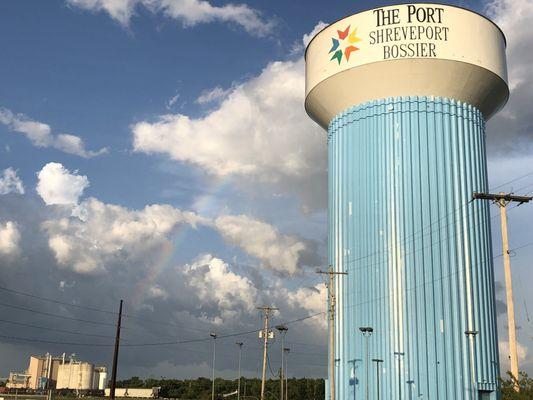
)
(404, 93)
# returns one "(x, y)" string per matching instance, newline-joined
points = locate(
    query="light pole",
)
(367, 332)
(240, 344)
(214, 336)
(286, 350)
(471, 335)
(282, 332)
(399, 354)
(377, 361)
(410, 383)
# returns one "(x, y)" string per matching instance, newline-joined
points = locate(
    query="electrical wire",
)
(272, 374)
(148, 344)
(55, 315)
(55, 301)
(54, 329)
(512, 181)
(33, 296)
(450, 214)
(432, 244)
(222, 336)
(130, 316)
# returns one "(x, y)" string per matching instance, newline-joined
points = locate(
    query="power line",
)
(522, 246)
(55, 315)
(228, 335)
(153, 343)
(272, 374)
(35, 340)
(431, 244)
(511, 181)
(234, 334)
(53, 329)
(408, 289)
(33, 296)
(108, 324)
(130, 316)
(450, 214)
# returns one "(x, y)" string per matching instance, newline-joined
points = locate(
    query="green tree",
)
(524, 382)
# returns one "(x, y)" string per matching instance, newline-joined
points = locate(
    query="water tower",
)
(404, 93)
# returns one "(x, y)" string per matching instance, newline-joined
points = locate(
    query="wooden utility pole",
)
(502, 200)
(265, 334)
(115, 355)
(331, 294)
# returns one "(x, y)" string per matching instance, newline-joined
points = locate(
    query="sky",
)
(157, 151)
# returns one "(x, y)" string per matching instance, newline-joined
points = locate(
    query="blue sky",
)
(85, 73)
(95, 73)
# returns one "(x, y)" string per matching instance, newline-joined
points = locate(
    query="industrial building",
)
(18, 380)
(139, 393)
(41, 373)
(78, 375)
(49, 372)
(404, 92)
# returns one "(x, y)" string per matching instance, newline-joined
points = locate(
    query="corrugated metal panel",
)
(417, 250)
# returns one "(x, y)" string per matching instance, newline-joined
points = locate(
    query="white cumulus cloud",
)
(10, 182)
(259, 131)
(281, 253)
(157, 292)
(221, 288)
(188, 12)
(308, 36)
(9, 238)
(311, 299)
(111, 234)
(57, 185)
(213, 95)
(40, 135)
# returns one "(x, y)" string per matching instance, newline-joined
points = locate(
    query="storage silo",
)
(76, 375)
(404, 92)
(100, 378)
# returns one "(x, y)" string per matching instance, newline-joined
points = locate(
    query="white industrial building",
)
(78, 375)
(49, 372)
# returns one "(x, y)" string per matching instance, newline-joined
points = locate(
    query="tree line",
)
(298, 388)
(200, 388)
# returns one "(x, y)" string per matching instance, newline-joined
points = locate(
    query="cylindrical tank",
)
(100, 378)
(76, 376)
(405, 92)
(86, 372)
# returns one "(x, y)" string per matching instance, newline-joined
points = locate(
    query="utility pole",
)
(115, 355)
(331, 294)
(239, 373)
(377, 361)
(282, 332)
(502, 200)
(265, 334)
(214, 336)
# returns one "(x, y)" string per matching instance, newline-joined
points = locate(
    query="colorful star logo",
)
(346, 40)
